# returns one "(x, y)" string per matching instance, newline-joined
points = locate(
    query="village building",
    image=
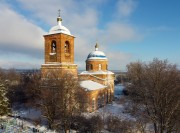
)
(96, 81)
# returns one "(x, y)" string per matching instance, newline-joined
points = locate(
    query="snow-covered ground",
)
(21, 122)
(17, 125)
(114, 109)
(31, 113)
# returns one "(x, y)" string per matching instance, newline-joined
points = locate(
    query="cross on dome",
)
(59, 13)
(59, 28)
(96, 47)
(59, 19)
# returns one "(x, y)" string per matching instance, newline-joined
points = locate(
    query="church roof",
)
(59, 28)
(96, 72)
(90, 85)
(96, 55)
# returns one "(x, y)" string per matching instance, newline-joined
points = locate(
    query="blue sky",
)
(126, 30)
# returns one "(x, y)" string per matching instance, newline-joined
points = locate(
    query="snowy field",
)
(21, 122)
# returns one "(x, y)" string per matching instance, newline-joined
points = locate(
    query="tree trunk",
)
(155, 128)
(50, 125)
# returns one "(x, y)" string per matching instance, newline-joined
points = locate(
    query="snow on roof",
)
(96, 55)
(59, 28)
(97, 72)
(91, 85)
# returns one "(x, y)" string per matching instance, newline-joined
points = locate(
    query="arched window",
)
(100, 66)
(67, 47)
(99, 101)
(102, 100)
(91, 66)
(107, 96)
(106, 66)
(93, 104)
(53, 47)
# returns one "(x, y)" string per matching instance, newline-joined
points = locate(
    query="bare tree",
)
(32, 88)
(154, 90)
(116, 125)
(61, 99)
(83, 124)
(15, 91)
(13, 76)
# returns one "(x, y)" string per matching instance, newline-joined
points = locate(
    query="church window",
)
(67, 47)
(102, 100)
(89, 67)
(53, 47)
(106, 67)
(93, 104)
(107, 97)
(99, 101)
(100, 66)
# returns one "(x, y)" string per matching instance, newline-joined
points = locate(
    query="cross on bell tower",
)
(59, 13)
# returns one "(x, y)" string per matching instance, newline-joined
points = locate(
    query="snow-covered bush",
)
(116, 125)
(4, 102)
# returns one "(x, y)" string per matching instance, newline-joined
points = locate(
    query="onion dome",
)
(99, 55)
(59, 28)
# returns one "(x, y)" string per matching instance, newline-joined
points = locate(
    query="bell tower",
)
(59, 50)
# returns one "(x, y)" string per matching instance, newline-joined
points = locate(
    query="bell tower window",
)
(53, 47)
(67, 47)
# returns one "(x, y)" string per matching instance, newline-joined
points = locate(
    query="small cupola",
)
(97, 54)
(96, 60)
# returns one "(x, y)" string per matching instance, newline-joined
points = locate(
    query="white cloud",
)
(47, 10)
(81, 18)
(118, 60)
(18, 34)
(19, 64)
(126, 7)
(78, 17)
(118, 32)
